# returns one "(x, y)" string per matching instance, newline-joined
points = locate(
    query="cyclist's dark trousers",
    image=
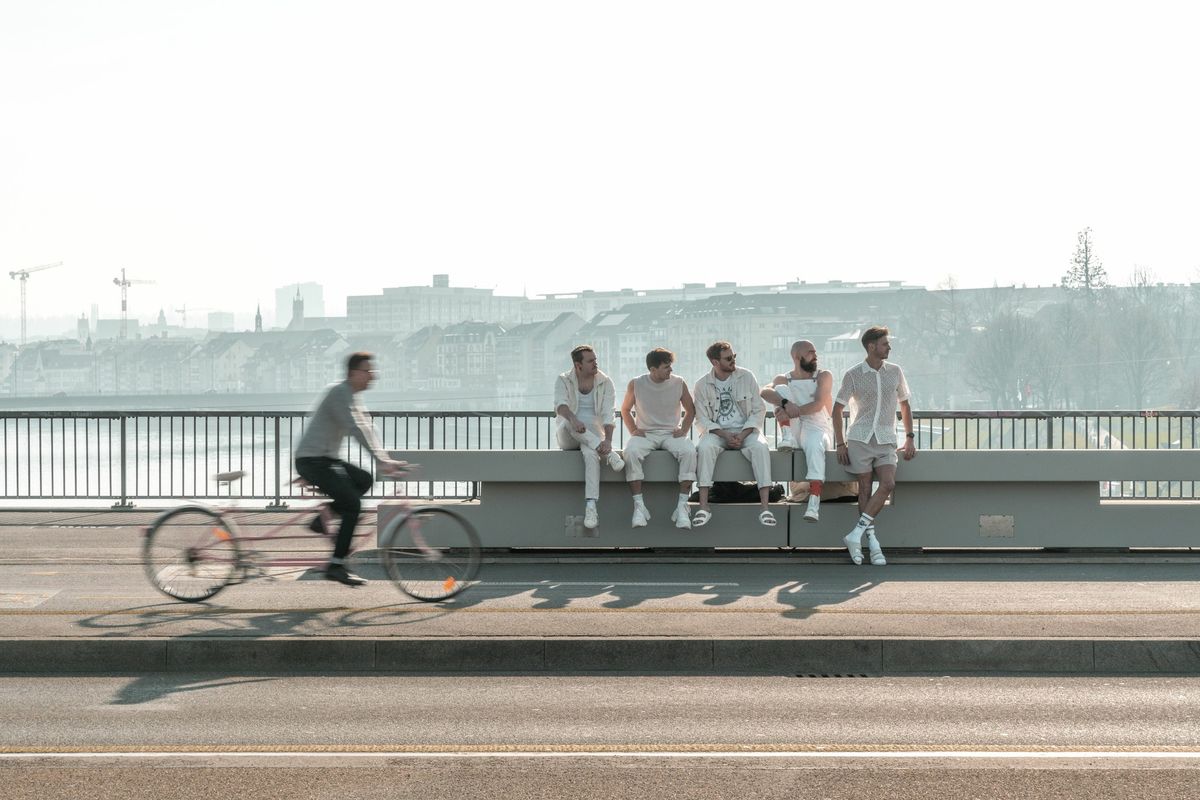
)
(345, 484)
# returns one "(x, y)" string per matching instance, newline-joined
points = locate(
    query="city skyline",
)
(536, 147)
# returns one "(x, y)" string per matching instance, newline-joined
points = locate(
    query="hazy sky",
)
(222, 149)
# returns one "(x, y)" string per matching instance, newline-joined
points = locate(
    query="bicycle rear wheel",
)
(189, 553)
(430, 553)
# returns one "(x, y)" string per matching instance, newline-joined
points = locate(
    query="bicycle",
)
(193, 551)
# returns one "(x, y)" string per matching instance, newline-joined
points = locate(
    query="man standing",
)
(650, 412)
(341, 413)
(584, 399)
(802, 400)
(730, 412)
(869, 448)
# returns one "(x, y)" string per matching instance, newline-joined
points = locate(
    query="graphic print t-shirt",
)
(729, 415)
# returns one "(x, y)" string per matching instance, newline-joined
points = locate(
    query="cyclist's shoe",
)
(339, 573)
(318, 524)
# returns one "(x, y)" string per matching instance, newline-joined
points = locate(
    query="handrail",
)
(122, 456)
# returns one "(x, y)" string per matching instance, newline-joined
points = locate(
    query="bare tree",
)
(1140, 343)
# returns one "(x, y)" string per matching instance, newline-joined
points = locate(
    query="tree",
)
(1086, 271)
(1141, 345)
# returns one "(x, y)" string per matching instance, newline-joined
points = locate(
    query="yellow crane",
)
(125, 283)
(23, 274)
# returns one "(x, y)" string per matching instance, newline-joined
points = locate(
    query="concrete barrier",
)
(946, 498)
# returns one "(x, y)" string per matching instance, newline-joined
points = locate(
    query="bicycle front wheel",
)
(430, 553)
(189, 553)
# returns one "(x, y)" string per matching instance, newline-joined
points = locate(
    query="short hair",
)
(714, 350)
(577, 353)
(874, 334)
(659, 356)
(356, 360)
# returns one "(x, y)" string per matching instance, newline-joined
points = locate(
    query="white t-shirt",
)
(729, 415)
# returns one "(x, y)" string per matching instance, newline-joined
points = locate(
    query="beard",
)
(808, 366)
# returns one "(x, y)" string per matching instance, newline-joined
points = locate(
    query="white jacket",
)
(745, 394)
(566, 393)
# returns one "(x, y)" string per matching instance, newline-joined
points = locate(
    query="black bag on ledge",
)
(737, 492)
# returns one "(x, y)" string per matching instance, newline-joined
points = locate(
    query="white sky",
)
(223, 149)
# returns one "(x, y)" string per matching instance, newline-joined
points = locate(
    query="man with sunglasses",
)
(730, 411)
(339, 414)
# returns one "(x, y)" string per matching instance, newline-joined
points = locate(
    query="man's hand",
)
(781, 415)
(605, 448)
(733, 441)
(843, 455)
(580, 427)
(679, 433)
(909, 451)
(393, 468)
(637, 432)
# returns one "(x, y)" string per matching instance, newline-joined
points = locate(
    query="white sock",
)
(591, 503)
(864, 521)
(683, 498)
(639, 502)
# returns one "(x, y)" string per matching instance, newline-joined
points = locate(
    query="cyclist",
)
(341, 413)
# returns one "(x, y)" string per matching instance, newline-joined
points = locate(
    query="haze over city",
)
(224, 150)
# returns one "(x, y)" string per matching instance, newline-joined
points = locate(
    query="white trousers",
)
(755, 450)
(815, 442)
(586, 443)
(638, 447)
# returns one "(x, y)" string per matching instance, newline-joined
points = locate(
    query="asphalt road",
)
(393, 736)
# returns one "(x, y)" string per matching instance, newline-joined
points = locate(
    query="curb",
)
(532, 656)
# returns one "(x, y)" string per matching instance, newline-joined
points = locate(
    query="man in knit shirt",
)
(869, 448)
(340, 414)
(651, 415)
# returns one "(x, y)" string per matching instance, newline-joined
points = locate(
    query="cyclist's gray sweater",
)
(339, 414)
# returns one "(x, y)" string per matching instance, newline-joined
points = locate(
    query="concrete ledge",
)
(631, 656)
(270, 655)
(795, 656)
(83, 655)
(1132, 657)
(1046, 656)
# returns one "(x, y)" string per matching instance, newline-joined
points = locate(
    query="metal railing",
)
(169, 455)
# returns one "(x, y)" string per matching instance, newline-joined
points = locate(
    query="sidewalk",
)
(73, 598)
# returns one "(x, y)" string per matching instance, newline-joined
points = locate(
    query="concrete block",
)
(632, 656)
(795, 656)
(1052, 656)
(270, 655)
(125, 656)
(1135, 657)
(460, 655)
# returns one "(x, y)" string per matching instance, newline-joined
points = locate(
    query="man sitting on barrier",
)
(584, 399)
(650, 412)
(802, 400)
(341, 413)
(730, 412)
(869, 448)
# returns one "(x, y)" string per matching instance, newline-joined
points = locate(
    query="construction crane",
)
(23, 274)
(125, 283)
(183, 311)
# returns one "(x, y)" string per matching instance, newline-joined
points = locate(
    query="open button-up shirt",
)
(876, 395)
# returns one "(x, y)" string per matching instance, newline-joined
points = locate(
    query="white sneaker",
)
(813, 512)
(640, 517)
(787, 442)
(680, 517)
(615, 461)
(590, 518)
